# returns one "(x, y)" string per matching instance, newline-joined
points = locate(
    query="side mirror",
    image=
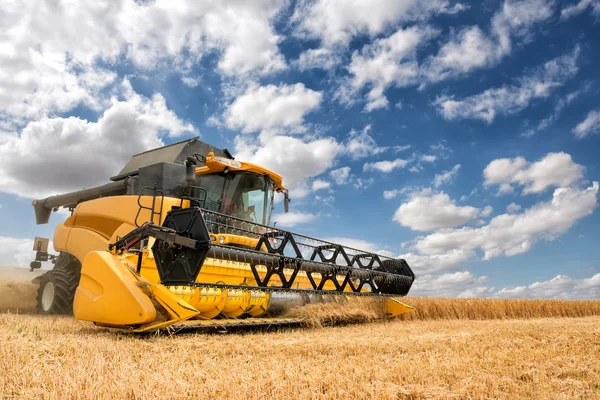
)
(286, 201)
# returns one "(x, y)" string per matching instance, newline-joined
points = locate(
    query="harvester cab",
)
(182, 236)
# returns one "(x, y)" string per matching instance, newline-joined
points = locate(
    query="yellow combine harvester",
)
(182, 234)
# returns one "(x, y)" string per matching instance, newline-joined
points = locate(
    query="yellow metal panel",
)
(82, 241)
(108, 293)
(96, 223)
(213, 165)
(61, 236)
(394, 308)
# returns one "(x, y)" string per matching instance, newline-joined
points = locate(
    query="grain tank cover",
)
(173, 153)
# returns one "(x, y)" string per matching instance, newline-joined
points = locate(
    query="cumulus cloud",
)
(340, 175)
(427, 158)
(390, 194)
(561, 103)
(360, 244)
(292, 218)
(471, 48)
(487, 211)
(510, 99)
(513, 208)
(319, 184)
(559, 287)
(361, 144)
(555, 169)
(386, 62)
(511, 234)
(428, 211)
(17, 252)
(446, 176)
(55, 67)
(136, 124)
(386, 166)
(271, 109)
(392, 61)
(433, 264)
(591, 124)
(460, 284)
(317, 58)
(296, 159)
(334, 23)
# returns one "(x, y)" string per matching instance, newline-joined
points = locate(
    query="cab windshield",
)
(239, 194)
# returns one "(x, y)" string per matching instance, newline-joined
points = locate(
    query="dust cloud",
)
(17, 293)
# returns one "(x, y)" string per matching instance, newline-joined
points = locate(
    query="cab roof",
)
(215, 164)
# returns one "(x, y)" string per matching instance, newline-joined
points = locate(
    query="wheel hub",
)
(48, 296)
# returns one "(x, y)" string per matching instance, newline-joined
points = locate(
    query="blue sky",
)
(460, 136)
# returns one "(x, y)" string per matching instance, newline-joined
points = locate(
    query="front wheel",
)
(56, 292)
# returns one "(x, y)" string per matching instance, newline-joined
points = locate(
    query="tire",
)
(56, 292)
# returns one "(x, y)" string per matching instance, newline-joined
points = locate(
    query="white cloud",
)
(386, 62)
(272, 108)
(447, 285)
(591, 124)
(55, 67)
(561, 103)
(513, 208)
(135, 124)
(427, 158)
(467, 50)
(425, 265)
(446, 176)
(510, 99)
(390, 194)
(361, 144)
(511, 234)
(319, 184)
(340, 175)
(578, 8)
(559, 287)
(428, 211)
(555, 169)
(441, 148)
(386, 166)
(471, 48)
(335, 22)
(360, 183)
(487, 211)
(17, 252)
(292, 218)
(317, 58)
(293, 158)
(477, 291)
(360, 244)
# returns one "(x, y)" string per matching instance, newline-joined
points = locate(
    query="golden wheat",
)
(428, 308)
(477, 349)
(61, 358)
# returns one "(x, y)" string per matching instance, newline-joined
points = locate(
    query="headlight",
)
(221, 239)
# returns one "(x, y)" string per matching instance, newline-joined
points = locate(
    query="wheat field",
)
(448, 348)
(61, 358)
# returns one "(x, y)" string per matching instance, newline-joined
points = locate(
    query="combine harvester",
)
(181, 237)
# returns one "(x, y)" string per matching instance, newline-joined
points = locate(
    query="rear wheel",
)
(56, 292)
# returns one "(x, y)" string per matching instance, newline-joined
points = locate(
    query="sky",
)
(463, 137)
